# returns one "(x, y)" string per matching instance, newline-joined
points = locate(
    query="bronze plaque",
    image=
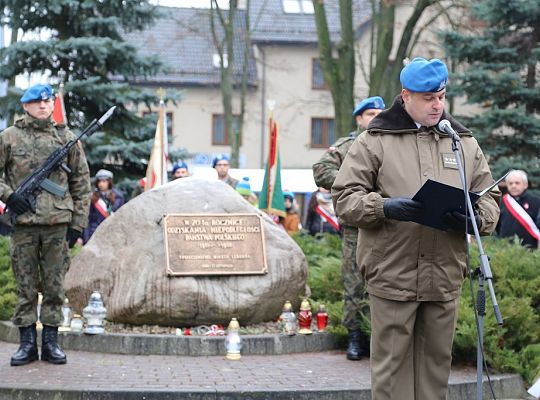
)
(214, 244)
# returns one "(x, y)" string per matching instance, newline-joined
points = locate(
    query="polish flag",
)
(59, 112)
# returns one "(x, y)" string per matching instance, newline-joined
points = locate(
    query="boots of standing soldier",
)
(354, 347)
(28, 350)
(50, 351)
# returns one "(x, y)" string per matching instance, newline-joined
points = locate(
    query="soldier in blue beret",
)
(355, 308)
(366, 110)
(37, 93)
(180, 170)
(413, 273)
(222, 164)
(40, 239)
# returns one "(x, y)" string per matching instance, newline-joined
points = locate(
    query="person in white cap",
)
(105, 201)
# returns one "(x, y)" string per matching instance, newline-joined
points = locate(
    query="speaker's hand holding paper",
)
(402, 208)
(456, 221)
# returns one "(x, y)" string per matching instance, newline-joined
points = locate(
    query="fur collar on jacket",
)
(396, 118)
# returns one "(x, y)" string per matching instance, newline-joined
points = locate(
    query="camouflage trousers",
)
(40, 259)
(355, 302)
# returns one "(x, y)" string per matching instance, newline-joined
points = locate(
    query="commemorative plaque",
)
(214, 244)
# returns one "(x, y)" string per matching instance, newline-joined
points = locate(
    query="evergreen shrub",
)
(8, 290)
(514, 347)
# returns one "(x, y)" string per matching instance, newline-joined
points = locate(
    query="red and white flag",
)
(156, 172)
(101, 206)
(328, 217)
(521, 215)
(59, 112)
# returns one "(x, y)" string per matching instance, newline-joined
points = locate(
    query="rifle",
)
(38, 180)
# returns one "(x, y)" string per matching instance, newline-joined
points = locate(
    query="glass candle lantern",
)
(304, 318)
(322, 318)
(233, 341)
(65, 326)
(287, 320)
(95, 314)
(76, 324)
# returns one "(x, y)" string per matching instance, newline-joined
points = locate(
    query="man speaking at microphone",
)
(413, 273)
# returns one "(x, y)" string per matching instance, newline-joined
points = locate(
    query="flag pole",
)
(156, 172)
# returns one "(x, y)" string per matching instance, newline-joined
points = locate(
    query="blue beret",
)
(179, 164)
(288, 194)
(421, 75)
(368, 104)
(220, 157)
(37, 92)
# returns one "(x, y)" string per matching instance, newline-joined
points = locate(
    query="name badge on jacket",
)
(449, 160)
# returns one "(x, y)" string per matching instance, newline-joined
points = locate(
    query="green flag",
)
(271, 199)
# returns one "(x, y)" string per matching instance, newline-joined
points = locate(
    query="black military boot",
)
(50, 351)
(354, 348)
(28, 350)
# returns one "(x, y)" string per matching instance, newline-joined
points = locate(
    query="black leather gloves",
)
(402, 208)
(72, 236)
(17, 204)
(455, 221)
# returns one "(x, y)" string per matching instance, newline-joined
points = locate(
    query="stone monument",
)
(126, 261)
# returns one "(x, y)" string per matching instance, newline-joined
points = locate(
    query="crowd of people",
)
(403, 276)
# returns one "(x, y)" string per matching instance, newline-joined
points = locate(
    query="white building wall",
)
(285, 78)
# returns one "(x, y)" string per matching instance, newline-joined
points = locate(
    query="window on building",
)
(169, 116)
(219, 134)
(317, 76)
(298, 6)
(217, 60)
(322, 132)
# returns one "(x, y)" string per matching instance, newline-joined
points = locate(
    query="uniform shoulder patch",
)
(343, 140)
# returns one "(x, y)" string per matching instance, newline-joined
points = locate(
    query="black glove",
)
(17, 204)
(72, 236)
(402, 208)
(455, 221)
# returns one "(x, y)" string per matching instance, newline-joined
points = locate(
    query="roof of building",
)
(183, 41)
(272, 24)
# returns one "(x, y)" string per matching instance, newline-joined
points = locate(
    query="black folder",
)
(439, 199)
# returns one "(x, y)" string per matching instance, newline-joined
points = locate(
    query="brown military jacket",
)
(393, 158)
(24, 147)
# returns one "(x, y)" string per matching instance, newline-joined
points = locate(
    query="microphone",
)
(444, 126)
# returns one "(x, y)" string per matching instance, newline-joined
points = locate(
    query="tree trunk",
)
(384, 77)
(338, 72)
(384, 18)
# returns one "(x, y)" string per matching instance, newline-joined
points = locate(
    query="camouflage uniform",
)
(355, 307)
(231, 181)
(39, 250)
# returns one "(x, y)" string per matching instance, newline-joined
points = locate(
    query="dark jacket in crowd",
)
(113, 199)
(314, 222)
(508, 226)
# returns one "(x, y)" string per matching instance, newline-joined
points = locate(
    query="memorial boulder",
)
(126, 260)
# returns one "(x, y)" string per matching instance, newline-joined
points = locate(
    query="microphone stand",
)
(484, 274)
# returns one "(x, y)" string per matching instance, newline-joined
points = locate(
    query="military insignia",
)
(449, 160)
(44, 95)
(442, 85)
(331, 149)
